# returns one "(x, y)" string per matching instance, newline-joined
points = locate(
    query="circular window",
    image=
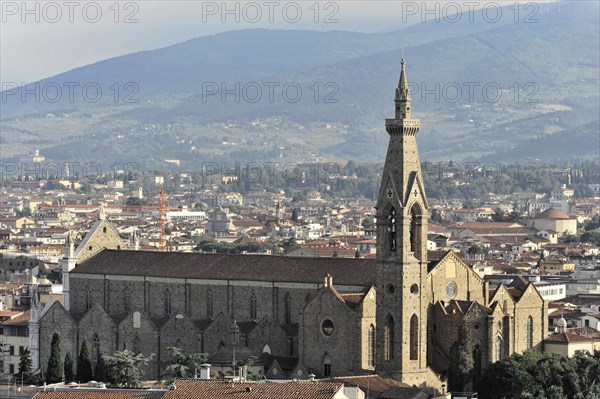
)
(328, 327)
(391, 288)
(414, 289)
(476, 326)
(451, 289)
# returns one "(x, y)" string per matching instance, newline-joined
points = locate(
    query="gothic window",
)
(167, 303)
(267, 349)
(209, 303)
(104, 229)
(477, 361)
(326, 366)
(392, 228)
(371, 347)
(253, 306)
(415, 231)
(96, 346)
(88, 299)
(127, 300)
(388, 338)
(414, 337)
(499, 349)
(529, 332)
(287, 309)
(136, 344)
(137, 320)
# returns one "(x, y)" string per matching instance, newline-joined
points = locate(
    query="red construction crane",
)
(162, 214)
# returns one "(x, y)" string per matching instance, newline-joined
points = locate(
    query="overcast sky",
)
(45, 38)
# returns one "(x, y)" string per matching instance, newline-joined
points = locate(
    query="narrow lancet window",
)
(392, 229)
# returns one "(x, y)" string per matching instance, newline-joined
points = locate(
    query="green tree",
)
(570, 238)
(25, 372)
(84, 363)
(124, 369)
(476, 249)
(55, 371)
(591, 237)
(461, 362)
(68, 367)
(100, 370)
(180, 365)
(436, 216)
(542, 375)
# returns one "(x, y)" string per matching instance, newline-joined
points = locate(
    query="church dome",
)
(561, 322)
(554, 214)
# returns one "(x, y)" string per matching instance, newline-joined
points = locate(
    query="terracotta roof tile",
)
(377, 385)
(205, 389)
(100, 394)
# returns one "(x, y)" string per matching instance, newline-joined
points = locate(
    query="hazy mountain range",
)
(547, 109)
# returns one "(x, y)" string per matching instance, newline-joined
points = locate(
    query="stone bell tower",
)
(402, 251)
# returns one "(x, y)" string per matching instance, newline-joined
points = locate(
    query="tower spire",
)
(402, 95)
(402, 250)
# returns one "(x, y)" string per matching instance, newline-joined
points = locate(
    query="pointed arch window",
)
(253, 310)
(371, 346)
(415, 230)
(136, 344)
(530, 332)
(167, 303)
(287, 309)
(96, 346)
(209, 303)
(499, 346)
(392, 229)
(127, 300)
(388, 338)
(266, 349)
(88, 298)
(477, 361)
(414, 337)
(326, 365)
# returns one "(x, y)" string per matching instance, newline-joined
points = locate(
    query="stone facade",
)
(397, 316)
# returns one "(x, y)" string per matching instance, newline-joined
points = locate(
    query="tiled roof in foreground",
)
(100, 394)
(211, 389)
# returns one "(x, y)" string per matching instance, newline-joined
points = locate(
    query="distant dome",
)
(561, 322)
(553, 213)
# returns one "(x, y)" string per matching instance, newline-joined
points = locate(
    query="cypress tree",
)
(25, 372)
(69, 367)
(100, 370)
(84, 363)
(461, 362)
(55, 369)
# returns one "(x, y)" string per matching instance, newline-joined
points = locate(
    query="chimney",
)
(326, 281)
(205, 371)
(311, 377)
(330, 280)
